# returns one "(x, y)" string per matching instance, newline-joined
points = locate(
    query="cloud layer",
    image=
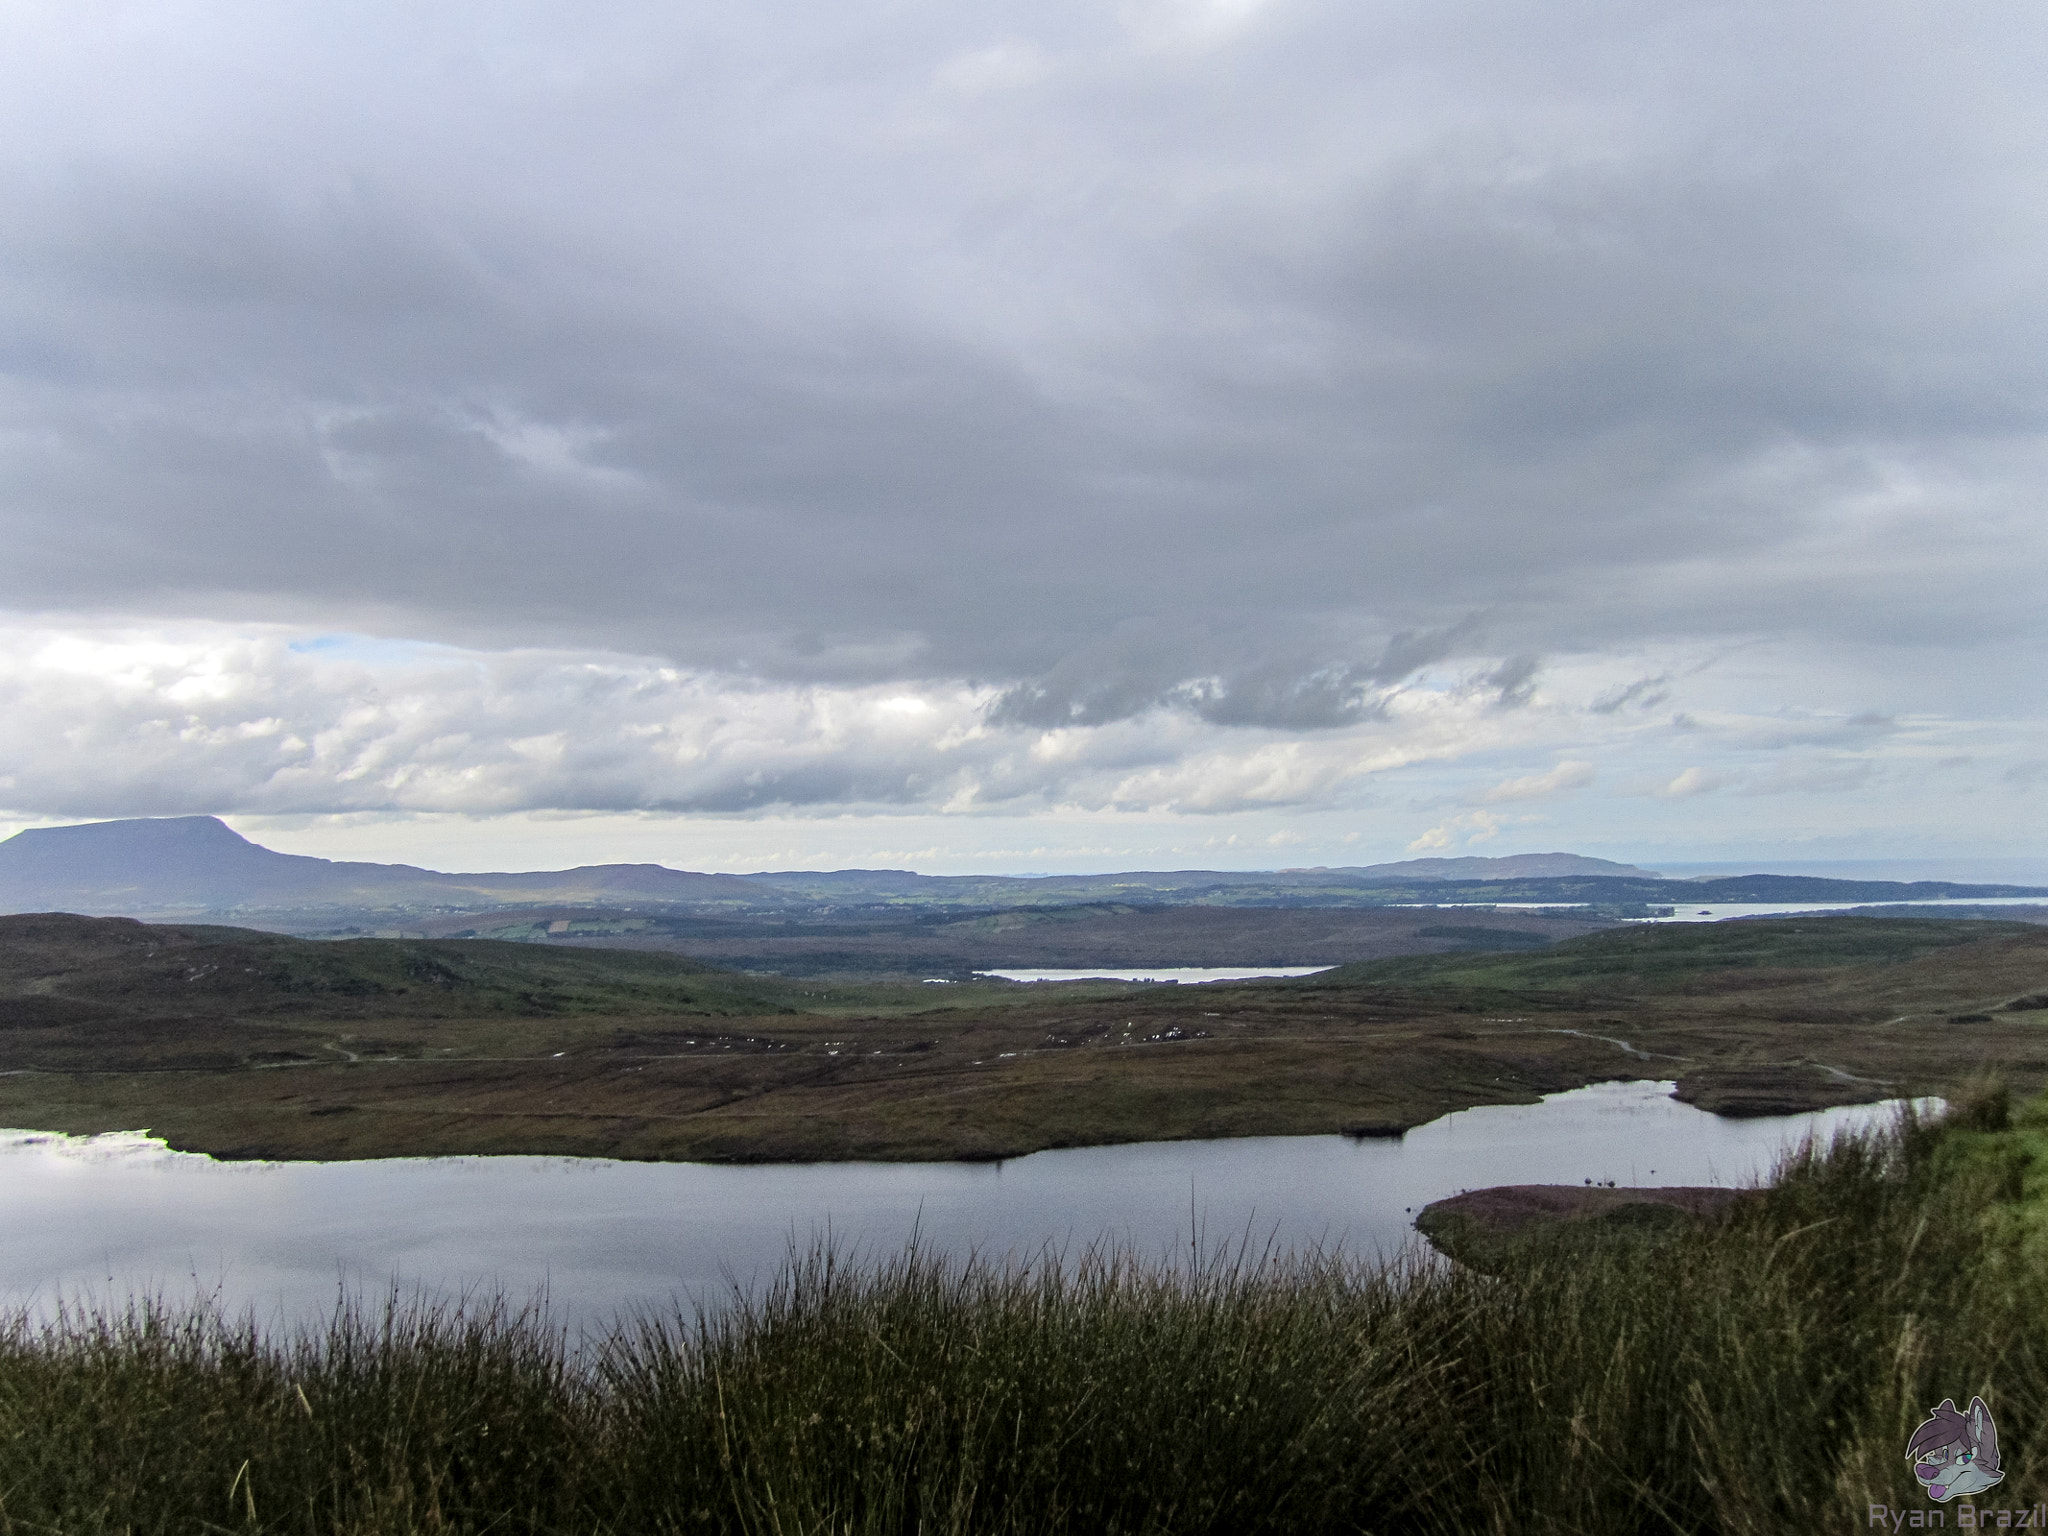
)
(208, 718)
(213, 718)
(1194, 403)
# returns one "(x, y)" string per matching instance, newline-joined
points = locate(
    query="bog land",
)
(897, 946)
(249, 1044)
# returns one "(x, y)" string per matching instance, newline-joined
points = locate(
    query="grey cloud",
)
(1410, 651)
(1141, 666)
(1643, 693)
(1160, 664)
(1843, 734)
(1279, 697)
(1856, 731)
(1514, 681)
(719, 334)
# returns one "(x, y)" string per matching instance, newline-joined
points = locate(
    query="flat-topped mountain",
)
(200, 864)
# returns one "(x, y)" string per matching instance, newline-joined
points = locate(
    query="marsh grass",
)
(1758, 1377)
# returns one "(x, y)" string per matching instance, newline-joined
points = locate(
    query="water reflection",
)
(114, 1214)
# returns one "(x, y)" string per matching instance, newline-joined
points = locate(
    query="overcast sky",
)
(1049, 436)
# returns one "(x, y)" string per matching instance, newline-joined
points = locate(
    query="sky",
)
(1002, 437)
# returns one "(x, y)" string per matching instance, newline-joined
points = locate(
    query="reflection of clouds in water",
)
(127, 1147)
(107, 1215)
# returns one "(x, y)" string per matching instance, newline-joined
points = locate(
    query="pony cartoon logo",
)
(1955, 1452)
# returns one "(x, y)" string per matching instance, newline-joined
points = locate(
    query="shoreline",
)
(150, 1139)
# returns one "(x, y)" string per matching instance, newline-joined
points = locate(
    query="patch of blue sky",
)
(371, 650)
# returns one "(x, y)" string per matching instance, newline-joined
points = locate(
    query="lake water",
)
(108, 1216)
(1187, 973)
(1714, 912)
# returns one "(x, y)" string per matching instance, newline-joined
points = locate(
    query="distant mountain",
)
(1617, 888)
(1517, 866)
(200, 864)
(898, 885)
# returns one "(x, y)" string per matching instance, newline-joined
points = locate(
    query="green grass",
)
(1758, 1377)
(2007, 1153)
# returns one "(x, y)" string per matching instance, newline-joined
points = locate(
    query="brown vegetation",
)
(253, 1044)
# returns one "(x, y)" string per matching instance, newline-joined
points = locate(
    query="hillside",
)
(61, 966)
(909, 945)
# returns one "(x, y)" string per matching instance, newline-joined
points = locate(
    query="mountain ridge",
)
(198, 864)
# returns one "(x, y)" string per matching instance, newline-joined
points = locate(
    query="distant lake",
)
(1711, 912)
(1717, 911)
(1714, 912)
(1187, 973)
(111, 1215)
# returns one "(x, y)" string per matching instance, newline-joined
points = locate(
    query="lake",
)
(1186, 973)
(1715, 912)
(107, 1216)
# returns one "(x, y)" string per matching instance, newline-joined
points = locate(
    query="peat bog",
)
(257, 1045)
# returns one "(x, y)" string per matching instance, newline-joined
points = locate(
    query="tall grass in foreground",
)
(1761, 1377)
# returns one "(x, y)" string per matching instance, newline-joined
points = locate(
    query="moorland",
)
(894, 945)
(242, 1043)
